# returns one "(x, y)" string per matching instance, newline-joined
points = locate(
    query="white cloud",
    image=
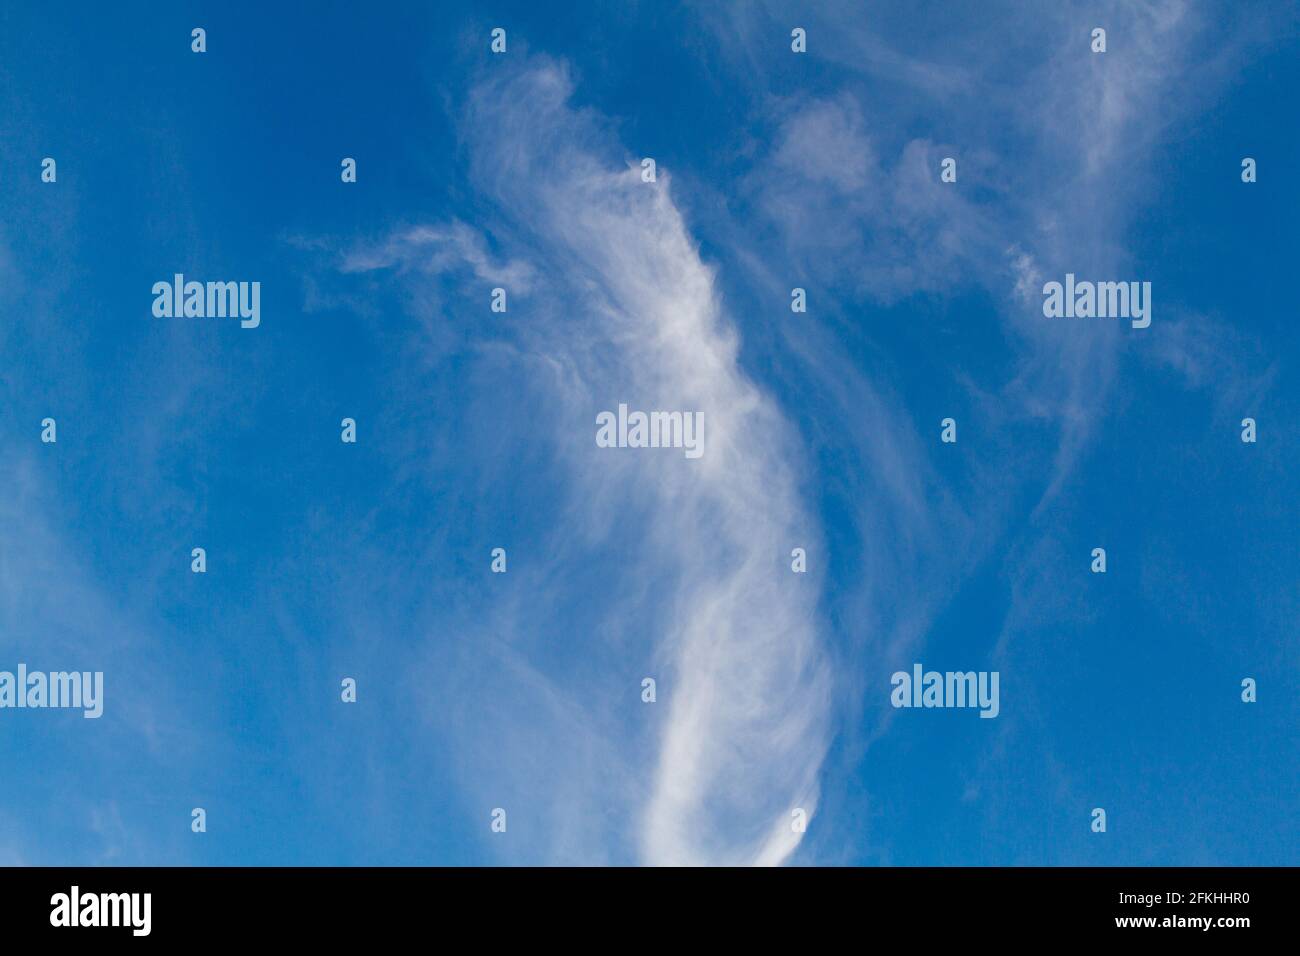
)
(827, 143)
(632, 313)
(438, 249)
(743, 683)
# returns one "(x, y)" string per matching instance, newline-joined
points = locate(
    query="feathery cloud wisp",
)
(632, 314)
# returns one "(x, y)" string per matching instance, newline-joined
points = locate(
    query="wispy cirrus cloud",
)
(632, 314)
(437, 249)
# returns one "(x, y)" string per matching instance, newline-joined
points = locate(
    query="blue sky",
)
(475, 431)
